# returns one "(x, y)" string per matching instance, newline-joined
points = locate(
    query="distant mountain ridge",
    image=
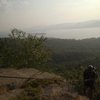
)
(75, 25)
(86, 24)
(63, 30)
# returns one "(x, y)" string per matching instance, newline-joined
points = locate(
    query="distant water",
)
(81, 33)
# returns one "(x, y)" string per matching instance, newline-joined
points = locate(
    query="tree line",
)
(23, 50)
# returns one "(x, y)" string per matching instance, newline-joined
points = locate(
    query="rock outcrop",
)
(34, 84)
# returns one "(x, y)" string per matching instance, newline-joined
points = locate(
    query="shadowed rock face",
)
(27, 73)
(55, 92)
(82, 98)
(50, 86)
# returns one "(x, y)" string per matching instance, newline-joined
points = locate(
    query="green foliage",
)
(21, 50)
(69, 57)
(75, 52)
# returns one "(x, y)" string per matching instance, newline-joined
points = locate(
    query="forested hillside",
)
(20, 49)
(62, 56)
(65, 57)
(75, 51)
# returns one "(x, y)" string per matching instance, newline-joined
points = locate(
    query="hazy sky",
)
(29, 13)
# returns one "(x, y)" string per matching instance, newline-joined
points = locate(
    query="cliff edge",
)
(32, 84)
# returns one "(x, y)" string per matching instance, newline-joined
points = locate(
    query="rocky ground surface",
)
(31, 84)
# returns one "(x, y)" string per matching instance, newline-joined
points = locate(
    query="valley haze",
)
(79, 30)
